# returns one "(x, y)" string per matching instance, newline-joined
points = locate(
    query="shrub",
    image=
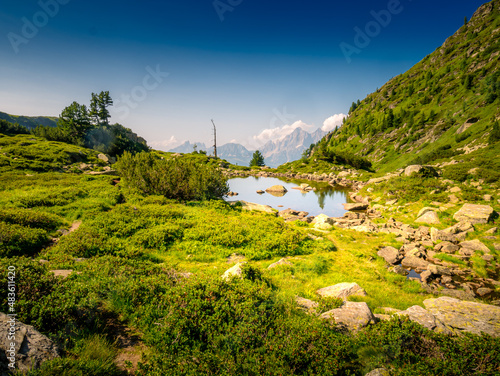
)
(16, 240)
(173, 178)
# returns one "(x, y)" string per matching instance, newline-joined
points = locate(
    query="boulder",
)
(424, 210)
(31, 347)
(475, 245)
(424, 318)
(398, 269)
(438, 270)
(378, 372)
(281, 262)
(414, 262)
(455, 190)
(464, 316)
(352, 316)
(474, 213)
(341, 290)
(492, 231)
(103, 157)
(234, 271)
(389, 254)
(429, 217)
(442, 235)
(356, 206)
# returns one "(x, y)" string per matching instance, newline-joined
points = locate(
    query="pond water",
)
(324, 200)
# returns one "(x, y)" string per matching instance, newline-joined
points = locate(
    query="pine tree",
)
(257, 159)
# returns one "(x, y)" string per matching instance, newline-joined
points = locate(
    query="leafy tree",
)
(257, 159)
(75, 122)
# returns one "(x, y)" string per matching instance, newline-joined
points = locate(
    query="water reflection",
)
(323, 199)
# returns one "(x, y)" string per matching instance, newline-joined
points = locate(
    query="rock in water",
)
(459, 315)
(31, 347)
(277, 189)
(342, 290)
(351, 316)
(474, 213)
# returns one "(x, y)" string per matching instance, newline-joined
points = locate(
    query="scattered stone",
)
(424, 318)
(356, 206)
(234, 258)
(235, 271)
(487, 198)
(31, 347)
(453, 199)
(439, 270)
(496, 246)
(414, 262)
(458, 294)
(492, 231)
(430, 217)
(398, 269)
(281, 262)
(425, 275)
(389, 254)
(391, 202)
(103, 157)
(482, 291)
(306, 304)
(474, 213)
(465, 316)
(342, 290)
(475, 245)
(352, 316)
(455, 190)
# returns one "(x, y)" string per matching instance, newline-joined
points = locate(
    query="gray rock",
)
(439, 270)
(103, 157)
(235, 271)
(398, 269)
(277, 188)
(429, 217)
(352, 316)
(482, 291)
(307, 305)
(414, 262)
(425, 210)
(475, 245)
(281, 262)
(356, 206)
(458, 294)
(30, 346)
(342, 290)
(250, 206)
(389, 254)
(474, 213)
(465, 316)
(424, 318)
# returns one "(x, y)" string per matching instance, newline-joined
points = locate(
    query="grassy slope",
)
(30, 121)
(431, 102)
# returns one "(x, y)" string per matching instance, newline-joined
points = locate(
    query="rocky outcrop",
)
(342, 290)
(424, 318)
(323, 222)
(474, 213)
(31, 348)
(463, 316)
(351, 316)
(245, 205)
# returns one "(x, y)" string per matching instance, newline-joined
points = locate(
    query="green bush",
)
(16, 240)
(173, 178)
(30, 218)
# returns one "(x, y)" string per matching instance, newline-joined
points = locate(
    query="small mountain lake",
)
(325, 199)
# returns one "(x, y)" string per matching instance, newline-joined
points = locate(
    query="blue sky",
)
(258, 68)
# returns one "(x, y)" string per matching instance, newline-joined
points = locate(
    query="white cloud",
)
(280, 132)
(333, 122)
(168, 144)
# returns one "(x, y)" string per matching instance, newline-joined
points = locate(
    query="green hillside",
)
(30, 122)
(446, 106)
